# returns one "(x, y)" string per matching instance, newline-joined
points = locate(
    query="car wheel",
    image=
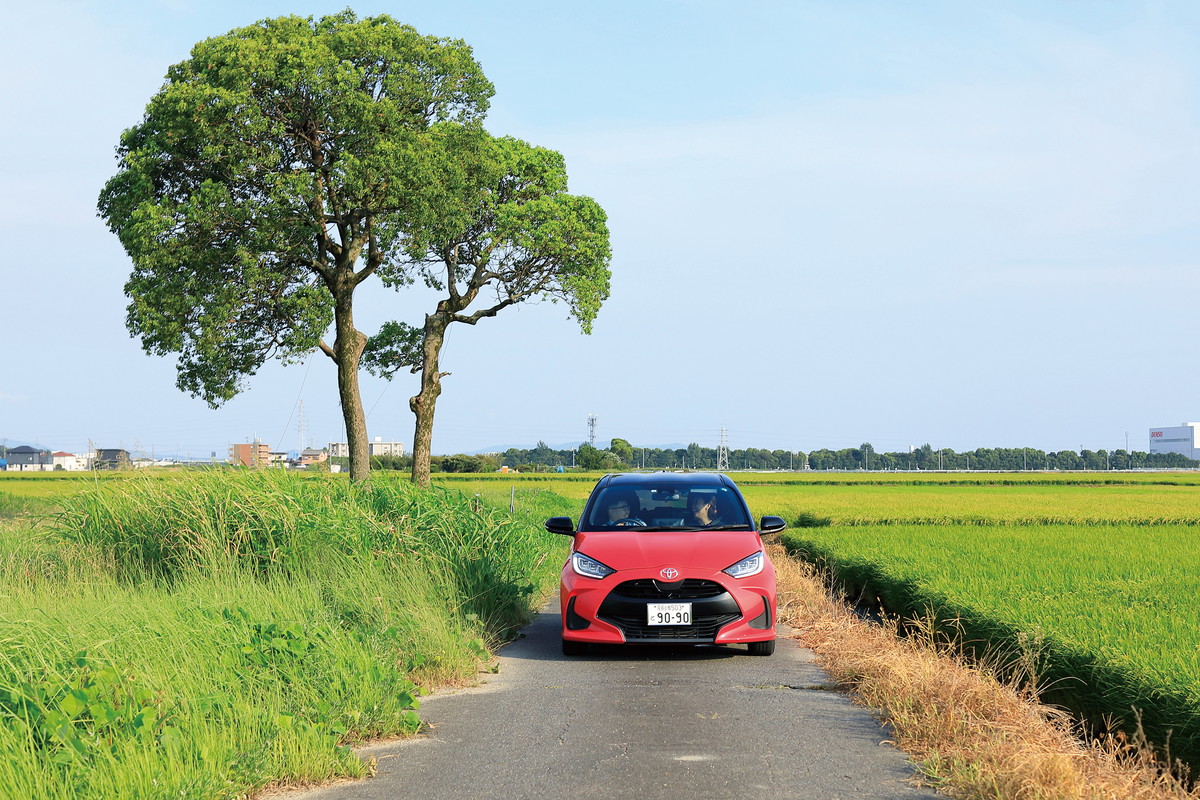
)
(571, 648)
(761, 648)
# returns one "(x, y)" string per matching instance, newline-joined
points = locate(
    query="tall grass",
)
(199, 636)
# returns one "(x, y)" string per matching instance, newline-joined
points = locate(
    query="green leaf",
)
(73, 704)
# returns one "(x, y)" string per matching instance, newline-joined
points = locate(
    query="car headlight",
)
(750, 565)
(589, 567)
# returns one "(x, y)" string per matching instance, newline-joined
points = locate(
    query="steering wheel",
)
(629, 522)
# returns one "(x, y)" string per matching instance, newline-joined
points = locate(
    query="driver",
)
(620, 507)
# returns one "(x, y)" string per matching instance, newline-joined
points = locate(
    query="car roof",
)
(673, 478)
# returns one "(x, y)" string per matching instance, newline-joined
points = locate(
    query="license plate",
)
(669, 613)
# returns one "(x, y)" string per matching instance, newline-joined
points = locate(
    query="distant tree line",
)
(489, 462)
(621, 455)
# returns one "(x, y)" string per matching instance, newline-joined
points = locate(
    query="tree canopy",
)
(284, 164)
(525, 238)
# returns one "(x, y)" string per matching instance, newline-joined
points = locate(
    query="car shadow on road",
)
(540, 641)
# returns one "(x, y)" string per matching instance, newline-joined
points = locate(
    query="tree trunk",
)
(348, 347)
(423, 404)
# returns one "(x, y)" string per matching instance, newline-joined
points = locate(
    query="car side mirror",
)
(769, 525)
(564, 525)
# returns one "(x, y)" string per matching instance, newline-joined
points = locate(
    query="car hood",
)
(712, 550)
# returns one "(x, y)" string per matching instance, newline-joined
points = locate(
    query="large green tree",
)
(525, 239)
(280, 167)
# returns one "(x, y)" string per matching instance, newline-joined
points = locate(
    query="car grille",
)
(703, 628)
(712, 607)
(647, 589)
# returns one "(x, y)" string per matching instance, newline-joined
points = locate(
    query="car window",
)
(667, 506)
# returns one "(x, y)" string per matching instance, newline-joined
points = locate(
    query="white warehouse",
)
(1184, 440)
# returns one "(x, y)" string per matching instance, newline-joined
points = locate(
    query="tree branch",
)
(374, 257)
(485, 312)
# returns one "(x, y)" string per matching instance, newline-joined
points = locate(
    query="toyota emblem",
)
(670, 573)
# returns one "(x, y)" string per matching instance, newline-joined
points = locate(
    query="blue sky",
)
(965, 224)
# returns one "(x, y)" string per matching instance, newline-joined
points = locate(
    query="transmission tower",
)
(723, 451)
(592, 420)
(301, 429)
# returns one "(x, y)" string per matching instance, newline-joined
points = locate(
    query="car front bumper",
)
(725, 610)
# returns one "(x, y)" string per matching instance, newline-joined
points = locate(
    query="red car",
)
(667, 558)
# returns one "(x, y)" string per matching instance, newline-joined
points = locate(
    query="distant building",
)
(277, 459)
(29, 459)
(1184, 440)
(312, 456)
(112, 458)
(69, 462)
(250, 454)
(377, 448)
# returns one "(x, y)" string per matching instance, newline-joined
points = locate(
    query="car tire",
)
(571, 648)
(761, 648)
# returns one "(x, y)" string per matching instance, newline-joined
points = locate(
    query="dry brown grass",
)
(972, 735)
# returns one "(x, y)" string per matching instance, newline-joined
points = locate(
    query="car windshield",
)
(661, 506)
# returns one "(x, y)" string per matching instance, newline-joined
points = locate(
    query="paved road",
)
(641, 723)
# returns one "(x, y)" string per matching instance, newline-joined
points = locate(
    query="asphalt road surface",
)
(692, 723)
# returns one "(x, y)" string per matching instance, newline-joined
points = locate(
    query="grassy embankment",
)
(199, 636)
(1090, 586)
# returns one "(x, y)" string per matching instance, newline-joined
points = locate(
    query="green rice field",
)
(1092, 586)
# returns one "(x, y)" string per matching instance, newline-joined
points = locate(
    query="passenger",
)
(702, 510)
